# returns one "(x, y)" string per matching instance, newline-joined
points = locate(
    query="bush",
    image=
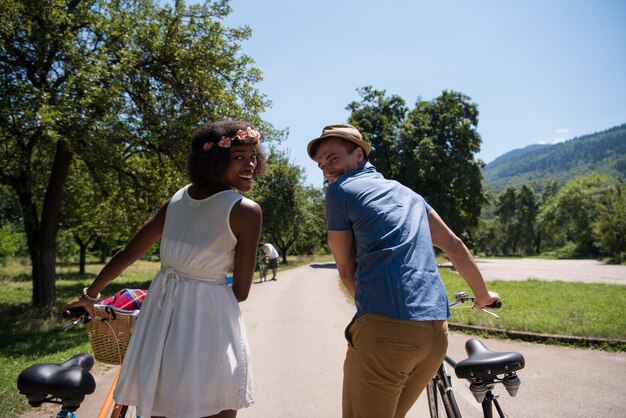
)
(12, 242)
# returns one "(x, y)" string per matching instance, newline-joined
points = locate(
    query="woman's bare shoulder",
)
(245, 214)
(247, 206)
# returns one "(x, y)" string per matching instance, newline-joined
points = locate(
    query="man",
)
(272, 255)
(381, 235)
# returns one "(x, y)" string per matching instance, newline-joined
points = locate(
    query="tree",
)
(379, 119)
(609, 227)
(506, 214)
(569, 216)
(439, 141)
(280, 195)
(119, 85)
(430, 149)
(313, 239)
(94, 218)
(527, 210)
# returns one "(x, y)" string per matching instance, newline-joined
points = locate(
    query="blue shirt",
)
(397, 273)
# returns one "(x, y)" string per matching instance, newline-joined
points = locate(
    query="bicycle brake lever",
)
(490, 313)
(71, 324)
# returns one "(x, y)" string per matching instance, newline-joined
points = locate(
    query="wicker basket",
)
(109, 333)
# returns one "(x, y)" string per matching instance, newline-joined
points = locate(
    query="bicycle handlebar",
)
(496, 305)
(463, 297)
(74, 313)
(80, 315)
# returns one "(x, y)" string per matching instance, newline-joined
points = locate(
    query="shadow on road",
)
(324, 266)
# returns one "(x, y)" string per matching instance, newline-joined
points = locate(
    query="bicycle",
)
(68, 383)
(262, 270)
(482, 369)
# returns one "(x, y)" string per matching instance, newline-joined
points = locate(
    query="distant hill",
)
(603, 152)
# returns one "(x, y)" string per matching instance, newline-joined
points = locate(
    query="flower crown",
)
(241, 134)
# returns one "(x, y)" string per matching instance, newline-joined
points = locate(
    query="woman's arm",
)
(246, 219)
(137, 246)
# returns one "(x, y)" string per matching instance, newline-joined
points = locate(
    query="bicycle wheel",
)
(441, 400)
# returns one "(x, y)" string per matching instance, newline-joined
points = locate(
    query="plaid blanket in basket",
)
(127, 299)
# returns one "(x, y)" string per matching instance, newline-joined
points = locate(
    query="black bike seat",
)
(69, 381)
(484, 363)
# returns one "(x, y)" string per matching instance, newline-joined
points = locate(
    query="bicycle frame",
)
(262, 270)
(480, 369)
(441, 388)
(489, 402)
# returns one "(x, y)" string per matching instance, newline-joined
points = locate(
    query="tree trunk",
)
(41, 235)
(82, 245)
(83, 257)
(44, 276)
(538, 242)
(104, 253)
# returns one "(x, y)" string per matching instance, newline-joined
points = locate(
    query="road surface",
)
(585, 271)
(295, 328)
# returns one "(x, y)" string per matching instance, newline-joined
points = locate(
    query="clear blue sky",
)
(540, 71)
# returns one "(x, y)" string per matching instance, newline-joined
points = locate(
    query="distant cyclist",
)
(272, 256)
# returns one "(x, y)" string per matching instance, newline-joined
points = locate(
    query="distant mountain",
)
(603, 152)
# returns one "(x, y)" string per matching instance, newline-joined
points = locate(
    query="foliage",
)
(609, 227)
(438, 145)
(515, 215)
(11, 241)
(430, 149)
(586, 218)
(115, 87)
(379, 119)
(603, 152)
(11, 234)
(294, 215)
(568, 217)
(313, 238)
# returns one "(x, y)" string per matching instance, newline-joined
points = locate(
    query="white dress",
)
(188, 356)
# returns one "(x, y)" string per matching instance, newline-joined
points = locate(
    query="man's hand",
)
(483, 303)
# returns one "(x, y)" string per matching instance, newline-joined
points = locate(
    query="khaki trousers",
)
(388, 364)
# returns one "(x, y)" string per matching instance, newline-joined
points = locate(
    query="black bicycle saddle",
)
(483, 363)
(69, 381)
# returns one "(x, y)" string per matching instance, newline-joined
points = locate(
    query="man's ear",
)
(360, 154)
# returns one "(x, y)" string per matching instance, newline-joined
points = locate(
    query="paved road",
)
(295, 327)
(587, 271)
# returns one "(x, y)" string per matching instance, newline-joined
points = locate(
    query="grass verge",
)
(593, 311)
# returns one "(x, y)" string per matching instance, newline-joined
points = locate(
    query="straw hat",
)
(347, 132)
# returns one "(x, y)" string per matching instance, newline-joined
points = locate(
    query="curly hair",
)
(206, 166)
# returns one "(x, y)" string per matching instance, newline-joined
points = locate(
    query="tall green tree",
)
(430, 149)
(379, 119)
(118, 84)
(568, 217)
(527, 219)
(506, 215)
(313, 239)
(280, 193)
(609, 227)
(438, 147)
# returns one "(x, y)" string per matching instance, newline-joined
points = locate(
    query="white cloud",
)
(560, 135)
